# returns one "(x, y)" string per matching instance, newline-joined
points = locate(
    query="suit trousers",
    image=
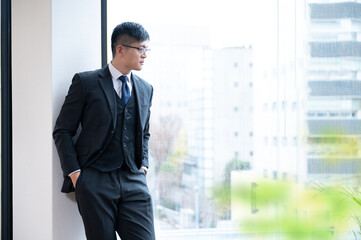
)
(116, 201)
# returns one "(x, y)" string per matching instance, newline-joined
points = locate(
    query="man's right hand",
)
(74, 178)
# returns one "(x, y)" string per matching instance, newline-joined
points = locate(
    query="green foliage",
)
(233, 165)
(180, 150)
(173, 164)
(236, 164)
(267, 208)
(224, 204)
(170, 204)
(167, 167)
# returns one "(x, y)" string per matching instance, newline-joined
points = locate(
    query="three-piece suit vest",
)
(121, 148)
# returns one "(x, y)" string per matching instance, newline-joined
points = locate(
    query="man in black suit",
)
(107, 165)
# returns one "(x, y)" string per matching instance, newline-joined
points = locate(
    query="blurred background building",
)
(334, 91)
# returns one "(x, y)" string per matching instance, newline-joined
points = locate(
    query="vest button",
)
(125, 128)
(124, 144)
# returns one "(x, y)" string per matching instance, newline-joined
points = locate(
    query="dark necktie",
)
(125, 89)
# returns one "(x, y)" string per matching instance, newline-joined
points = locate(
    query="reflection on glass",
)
(287, 72)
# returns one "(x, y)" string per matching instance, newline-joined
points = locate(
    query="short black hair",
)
(128, 33)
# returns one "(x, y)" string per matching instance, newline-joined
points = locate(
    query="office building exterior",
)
(222, 114)
(333, 80)
(280, 93)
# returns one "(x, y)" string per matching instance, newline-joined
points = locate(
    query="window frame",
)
(6, 124)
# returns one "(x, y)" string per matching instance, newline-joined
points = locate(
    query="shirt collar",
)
(116, 73)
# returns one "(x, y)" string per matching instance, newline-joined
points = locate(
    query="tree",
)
(168, 147)
(233, 165)
(164, 132)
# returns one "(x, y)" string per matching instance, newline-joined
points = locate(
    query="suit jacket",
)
(91, 102)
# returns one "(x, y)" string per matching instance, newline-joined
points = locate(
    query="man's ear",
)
(120, 50)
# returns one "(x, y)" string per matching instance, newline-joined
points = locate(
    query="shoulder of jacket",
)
(90, 74)
(143, 82)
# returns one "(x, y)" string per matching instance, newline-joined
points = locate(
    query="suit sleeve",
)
(146, 134)
(67, 124)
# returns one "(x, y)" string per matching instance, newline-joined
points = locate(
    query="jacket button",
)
(124, 144)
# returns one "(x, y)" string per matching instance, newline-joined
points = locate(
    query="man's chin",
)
(139, 68)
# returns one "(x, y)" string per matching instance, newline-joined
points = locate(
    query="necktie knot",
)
(123, 78)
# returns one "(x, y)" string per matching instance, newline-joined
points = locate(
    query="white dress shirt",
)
(116, 82)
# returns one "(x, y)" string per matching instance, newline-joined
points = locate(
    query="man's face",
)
(133, 55)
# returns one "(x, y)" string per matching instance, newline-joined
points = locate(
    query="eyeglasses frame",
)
(141, 49)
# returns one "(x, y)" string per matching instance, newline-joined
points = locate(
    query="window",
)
(275, 175)
(274, 106)
(275, 141)
(309, 58)
(284, 105)
(265, 107)
(265, 173)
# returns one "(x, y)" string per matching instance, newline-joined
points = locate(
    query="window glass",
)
(248, 91)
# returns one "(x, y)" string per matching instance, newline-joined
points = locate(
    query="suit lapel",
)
(138, 89)
(139, 94)
(106, 83)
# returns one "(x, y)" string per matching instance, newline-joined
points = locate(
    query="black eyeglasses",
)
(141, 49)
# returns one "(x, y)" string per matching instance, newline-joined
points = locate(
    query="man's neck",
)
(120, 67)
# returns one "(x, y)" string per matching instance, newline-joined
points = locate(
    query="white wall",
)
(32, 119)
(76, 43)
(51, 40)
